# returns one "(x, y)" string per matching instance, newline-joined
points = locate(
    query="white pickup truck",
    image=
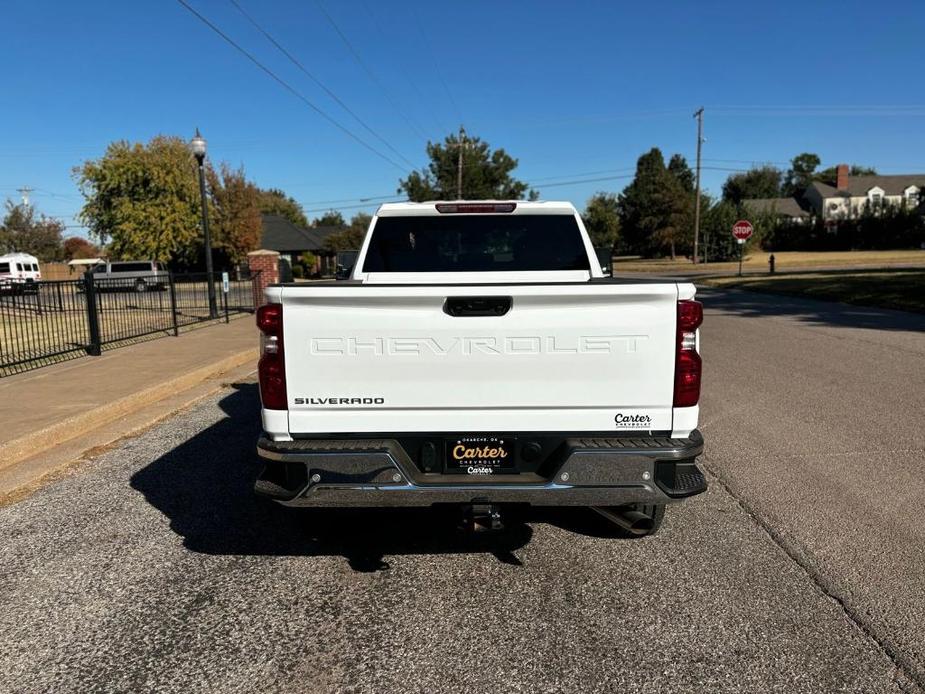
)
(479, 356)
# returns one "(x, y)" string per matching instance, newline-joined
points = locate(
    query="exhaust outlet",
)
(629, 519)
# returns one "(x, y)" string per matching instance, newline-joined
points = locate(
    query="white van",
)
(135, 275)
(19, 273)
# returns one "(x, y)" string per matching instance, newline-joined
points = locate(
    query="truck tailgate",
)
(564, 357)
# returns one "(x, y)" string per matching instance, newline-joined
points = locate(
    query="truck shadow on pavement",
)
(747, 304)
(205, 487)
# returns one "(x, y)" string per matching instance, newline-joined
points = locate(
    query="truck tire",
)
(140, 286)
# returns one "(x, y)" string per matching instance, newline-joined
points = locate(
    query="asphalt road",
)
(153, 568)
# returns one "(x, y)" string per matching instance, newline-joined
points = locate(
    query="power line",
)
(830, 107)
(66, 196)
(826, 111)
(748, 161)
(348, 207)
(586, 180)
(405, 73)
(356, 56)
(290, 88)
(603, 118)
(314, 79)
(370, 198)
(724, 168)
(586, 173)
(435, 64)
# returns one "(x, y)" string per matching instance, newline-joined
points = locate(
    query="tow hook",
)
(480, 518)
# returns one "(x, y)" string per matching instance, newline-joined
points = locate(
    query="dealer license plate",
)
(480, 455)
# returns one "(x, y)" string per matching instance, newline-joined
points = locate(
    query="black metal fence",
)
(52, 321)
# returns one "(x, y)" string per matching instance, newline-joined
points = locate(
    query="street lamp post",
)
(198, 145)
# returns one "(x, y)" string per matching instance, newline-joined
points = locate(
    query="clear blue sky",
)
(567, 88)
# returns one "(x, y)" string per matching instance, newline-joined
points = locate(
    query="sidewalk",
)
(43, 408)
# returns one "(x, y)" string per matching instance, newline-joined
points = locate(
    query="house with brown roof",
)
(291, 241)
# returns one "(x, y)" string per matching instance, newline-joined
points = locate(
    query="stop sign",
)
(742, 230)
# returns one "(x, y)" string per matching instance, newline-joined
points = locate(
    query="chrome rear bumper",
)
(378, 473)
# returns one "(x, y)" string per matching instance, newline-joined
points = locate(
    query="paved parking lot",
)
(154, 568)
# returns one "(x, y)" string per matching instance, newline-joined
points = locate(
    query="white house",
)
(851, 195)
(848, 198)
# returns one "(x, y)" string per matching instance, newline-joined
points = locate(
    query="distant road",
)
(153, 567)
(698, 271)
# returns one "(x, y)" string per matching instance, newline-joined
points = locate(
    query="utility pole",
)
(698, 114)
(24, 192)
(459, 162)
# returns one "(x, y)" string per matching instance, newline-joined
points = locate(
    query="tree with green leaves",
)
(24, 232)
(655, 208)
(486, 173)
(236, 225)
(716, 228)
(800, 174)
(360, 222)
(602, 219)
(757, 183)
(351, 238)
(331, 218)
(142, 201)
(678, 167)
(275, 201)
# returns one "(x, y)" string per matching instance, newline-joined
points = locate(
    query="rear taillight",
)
(688, 365)
(272, 367)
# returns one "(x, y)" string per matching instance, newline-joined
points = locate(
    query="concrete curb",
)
(12, 452)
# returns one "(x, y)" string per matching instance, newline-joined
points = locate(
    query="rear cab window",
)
(131, 267)
(4, 268)
(476, 243)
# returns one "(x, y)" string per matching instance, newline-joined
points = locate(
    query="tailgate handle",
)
(461, 306)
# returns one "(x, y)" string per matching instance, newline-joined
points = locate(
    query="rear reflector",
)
(688, 365)
(475, 207)
(271, 370)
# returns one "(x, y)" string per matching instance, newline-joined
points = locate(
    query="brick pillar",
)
(265, 265)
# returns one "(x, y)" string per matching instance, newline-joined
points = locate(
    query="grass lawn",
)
(785, 260)
(898, 289)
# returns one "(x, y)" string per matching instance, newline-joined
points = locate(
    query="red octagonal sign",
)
(742, 230)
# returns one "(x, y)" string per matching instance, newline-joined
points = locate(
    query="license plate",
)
(480, 455)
